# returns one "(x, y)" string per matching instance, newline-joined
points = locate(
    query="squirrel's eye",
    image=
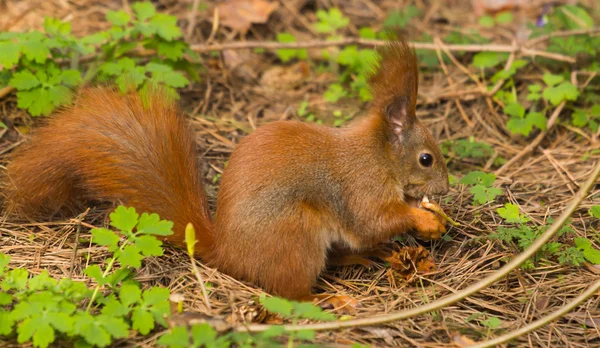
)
(425, 159)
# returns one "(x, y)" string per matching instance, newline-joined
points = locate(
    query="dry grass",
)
(237, 95)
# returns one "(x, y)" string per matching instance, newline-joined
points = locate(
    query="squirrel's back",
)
(134, 148)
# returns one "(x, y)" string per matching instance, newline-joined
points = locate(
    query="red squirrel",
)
(292, 191)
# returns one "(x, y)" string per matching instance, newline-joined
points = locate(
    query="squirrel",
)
(292, 192)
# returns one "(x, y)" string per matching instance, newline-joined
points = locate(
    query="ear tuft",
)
(394, 85)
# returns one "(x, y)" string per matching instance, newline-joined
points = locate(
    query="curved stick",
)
(542, 321)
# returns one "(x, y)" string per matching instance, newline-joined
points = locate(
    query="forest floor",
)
(241, 89)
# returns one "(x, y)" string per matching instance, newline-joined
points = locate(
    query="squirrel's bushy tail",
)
(130, 148)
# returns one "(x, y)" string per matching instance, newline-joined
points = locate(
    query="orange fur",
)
(291, 192)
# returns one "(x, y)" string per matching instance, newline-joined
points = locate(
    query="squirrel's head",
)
(420, 164)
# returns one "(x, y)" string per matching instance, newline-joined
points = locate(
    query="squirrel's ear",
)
(400, 115)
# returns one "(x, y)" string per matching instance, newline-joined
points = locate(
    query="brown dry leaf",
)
(460, 340)
(240, 14)
(594, 268)
(542, 302)
(409, 261)
(584, 318)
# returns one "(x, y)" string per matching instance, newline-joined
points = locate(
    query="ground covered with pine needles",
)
(241, 89)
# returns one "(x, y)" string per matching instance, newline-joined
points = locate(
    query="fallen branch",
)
(374, 43)
(542, 321)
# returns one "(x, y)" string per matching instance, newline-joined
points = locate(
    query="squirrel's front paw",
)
(427, 225)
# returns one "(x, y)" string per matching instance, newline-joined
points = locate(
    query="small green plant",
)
(44, 66)
(334, 93)
(504, 17)
(400, 18)
(524, 235)
(330, 22)
(306, 114)
(510, 213)
(481, 186)
(204, 335)
(287, 54)
(467, 148)
(44, 309)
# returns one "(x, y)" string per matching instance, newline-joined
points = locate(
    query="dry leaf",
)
(460, 340)
(240, 14)
(584, 318)
(542, 302)
(409, 261)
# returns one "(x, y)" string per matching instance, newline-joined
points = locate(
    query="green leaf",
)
(483, 194)
(130, 294)
(70, 77)
(24, 80)
(307, 335)
(143, 10)
(367, 33)
(273, 331)
(94, 272)
(331, 21)
(552, 80)
(564, 91)
(537, 119)
(510, 213)
(593, 211)
(116, 327)
(42, 281)
(35, 51)
(401, 18)
(149, 245)
(478, 177)
(277, 305)
(62, 322)
(334, 93)
(4, 261)
(142, 321)
(15, 279)
(492, 323)
(310, 311)
(287, 54)
(105, 237)
(124, 219)
(5, 299)
(11, 52)
(589, 252)
(44, 335)
(36, 101)
(165, 26)
(203, 335)
(152, 224)
(177, 337)
(576, 17)
(487, 21)
(91, 330)
(171, 49)
(484, 60)
(118, 18)
(579, 118)
(6, 323)
(110, 68)
(514, 109)
(155, 295)
(130, 256)
(505, 17)
(114, 308)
